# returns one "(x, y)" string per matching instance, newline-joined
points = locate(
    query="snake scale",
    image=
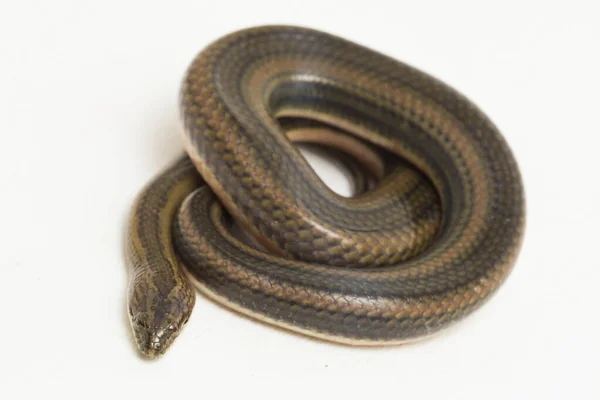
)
(427, 245)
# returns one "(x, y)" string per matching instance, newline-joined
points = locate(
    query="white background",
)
(88, 113)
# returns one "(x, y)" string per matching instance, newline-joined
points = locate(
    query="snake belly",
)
(426, 247)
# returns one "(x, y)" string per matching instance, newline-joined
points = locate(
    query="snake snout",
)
(153, 337)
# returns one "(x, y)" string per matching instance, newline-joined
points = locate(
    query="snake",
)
(426, 243)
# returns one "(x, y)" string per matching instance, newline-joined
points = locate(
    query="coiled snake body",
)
(427, 246)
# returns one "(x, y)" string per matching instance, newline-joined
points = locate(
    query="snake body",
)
(424, 248)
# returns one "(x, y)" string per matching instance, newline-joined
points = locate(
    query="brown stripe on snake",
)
(390, 265)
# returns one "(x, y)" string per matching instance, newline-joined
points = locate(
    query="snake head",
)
(155, 330)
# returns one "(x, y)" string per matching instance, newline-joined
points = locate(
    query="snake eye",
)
(141, 322)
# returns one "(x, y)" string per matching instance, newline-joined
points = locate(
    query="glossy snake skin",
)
(422, 249)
